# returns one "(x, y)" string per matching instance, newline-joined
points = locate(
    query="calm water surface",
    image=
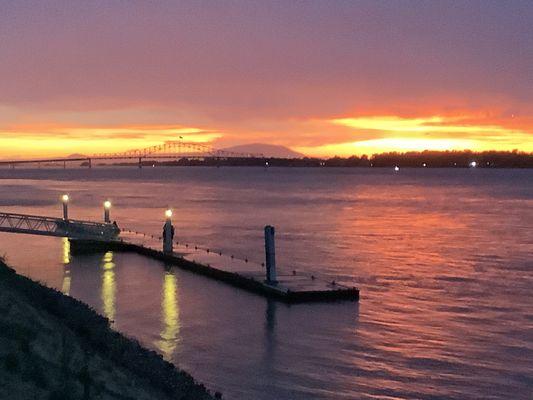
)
(443, 258)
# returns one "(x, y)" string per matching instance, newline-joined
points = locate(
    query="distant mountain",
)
(268, 150)
(76, 155)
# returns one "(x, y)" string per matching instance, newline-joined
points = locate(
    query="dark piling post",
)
(270, 253)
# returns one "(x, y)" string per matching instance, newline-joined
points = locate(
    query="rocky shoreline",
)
(53, 346)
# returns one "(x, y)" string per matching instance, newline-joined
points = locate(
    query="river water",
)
(443, 258)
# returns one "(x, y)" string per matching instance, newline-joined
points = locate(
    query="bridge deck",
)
(292, 286)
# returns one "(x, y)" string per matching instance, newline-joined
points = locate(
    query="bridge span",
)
(168, 150)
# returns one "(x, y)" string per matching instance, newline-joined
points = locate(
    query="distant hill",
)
(76, 155)
(269, 150)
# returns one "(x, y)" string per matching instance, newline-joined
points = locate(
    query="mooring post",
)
(64, 200)
(107, 207)
(270, 252)
(168, 233)
(140, 163)
(90, 163)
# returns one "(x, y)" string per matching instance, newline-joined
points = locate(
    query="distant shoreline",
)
(169, 164)
(424, 159)
(41, 323)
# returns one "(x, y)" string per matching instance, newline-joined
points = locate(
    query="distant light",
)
(168, 213)
(266, 163)
(107, 204)
(473, 164)
(424, 165)
(396, 168)
(64, 198)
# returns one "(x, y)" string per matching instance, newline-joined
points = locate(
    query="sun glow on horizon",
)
(32, 142)
(418, 134)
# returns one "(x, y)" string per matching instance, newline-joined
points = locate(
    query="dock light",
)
(168, 233)
(107, 207)
(396, 168)
(65, 199)
(473, 164)
(424, 165)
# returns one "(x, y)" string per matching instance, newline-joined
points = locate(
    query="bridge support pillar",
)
(64, 165)
(270, 253)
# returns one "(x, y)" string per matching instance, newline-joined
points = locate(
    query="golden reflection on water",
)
(108, 286)
(170, 317)
(66, 251)
(65, 287)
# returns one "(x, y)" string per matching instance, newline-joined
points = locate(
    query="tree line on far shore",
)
(429, 159)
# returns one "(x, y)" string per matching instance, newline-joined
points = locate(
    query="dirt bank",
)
(55, 347)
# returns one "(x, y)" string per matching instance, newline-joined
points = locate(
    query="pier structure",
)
(261, 278)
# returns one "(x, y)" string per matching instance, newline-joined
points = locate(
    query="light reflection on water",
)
(65, 287)
(169, 337)
(443, 259)
(108, 286)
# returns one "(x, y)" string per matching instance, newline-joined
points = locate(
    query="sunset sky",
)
(322, 77)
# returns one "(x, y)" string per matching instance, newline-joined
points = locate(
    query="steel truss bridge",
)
(176, 149)
(48, 226)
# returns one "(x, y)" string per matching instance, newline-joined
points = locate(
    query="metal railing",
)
(49, 226)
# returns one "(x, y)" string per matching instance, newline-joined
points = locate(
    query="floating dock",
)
(290, 286)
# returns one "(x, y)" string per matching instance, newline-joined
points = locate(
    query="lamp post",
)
(168, 233)
(64, 200)
(107, 207)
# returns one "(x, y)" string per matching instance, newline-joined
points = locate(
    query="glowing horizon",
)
(393, 134)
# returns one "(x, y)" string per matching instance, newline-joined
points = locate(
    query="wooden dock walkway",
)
(291, 286)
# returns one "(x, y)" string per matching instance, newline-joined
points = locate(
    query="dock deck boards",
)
(292, 286)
